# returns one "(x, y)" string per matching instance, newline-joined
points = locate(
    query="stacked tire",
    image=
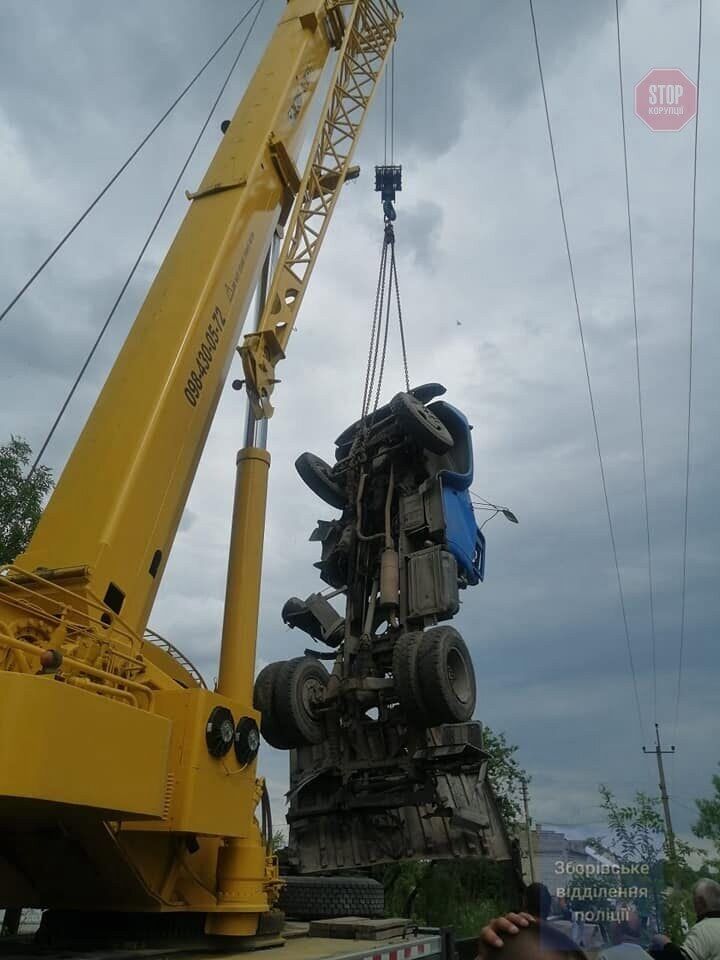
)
(324, 898)
(434, 677)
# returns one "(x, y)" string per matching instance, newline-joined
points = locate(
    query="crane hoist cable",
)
(124, 165)
(389, 120)
(388, 181)
(126, 283)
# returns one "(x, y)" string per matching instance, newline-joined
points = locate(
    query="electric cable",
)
(121, 169)
(259, 4)
(587, 371)
(690, 383)
(637, 365)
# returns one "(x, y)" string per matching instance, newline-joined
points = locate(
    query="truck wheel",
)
(322, 898)
(263, 700)
(407, 683)
(318, 476)
(300, 684)
(420, 423)
(447, 676)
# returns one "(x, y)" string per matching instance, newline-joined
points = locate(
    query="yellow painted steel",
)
(241, 869)
(121, 495)
(101, 547)
(205, 796)
(351, 91)
(242, 599)
(63, 747)
(104, 763)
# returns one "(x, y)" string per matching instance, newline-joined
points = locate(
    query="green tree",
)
(637, 841)
(463, 894)
(278, 840)
(506, 776)
(708, 825)
(21, 501)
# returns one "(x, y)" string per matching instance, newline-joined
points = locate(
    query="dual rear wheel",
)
(434, 677)
(287, 695)
(434, 683)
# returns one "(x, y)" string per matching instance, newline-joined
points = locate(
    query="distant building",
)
(552, 852)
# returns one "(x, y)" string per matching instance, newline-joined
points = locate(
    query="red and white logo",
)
(666, 99)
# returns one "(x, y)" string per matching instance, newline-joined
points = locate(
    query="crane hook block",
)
(388, 181)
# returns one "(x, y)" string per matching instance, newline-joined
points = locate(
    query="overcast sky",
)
(489, 312)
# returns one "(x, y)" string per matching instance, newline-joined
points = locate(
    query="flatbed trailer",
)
(297, 944)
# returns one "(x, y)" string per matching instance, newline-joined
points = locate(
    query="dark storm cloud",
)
(479, 241)
(449, 53)
(421, 228)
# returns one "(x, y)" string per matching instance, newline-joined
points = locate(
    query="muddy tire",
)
(447, 676)
(318, 476)
(322, 898)
(420, 423)
(299, 685)
(263, 700)
(407, 681)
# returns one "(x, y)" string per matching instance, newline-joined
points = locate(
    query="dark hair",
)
(539, 942)
(538, 900)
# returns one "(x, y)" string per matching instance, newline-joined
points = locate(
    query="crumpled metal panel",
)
(331, 832)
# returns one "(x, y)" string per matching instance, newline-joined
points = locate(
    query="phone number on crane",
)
(204, 357)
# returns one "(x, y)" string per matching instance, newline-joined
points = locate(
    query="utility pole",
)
(527, 831)
(658, 751)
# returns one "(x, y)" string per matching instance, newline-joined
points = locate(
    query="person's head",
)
(535, 943)
(706, 897)
(538, 900)
(628, 930)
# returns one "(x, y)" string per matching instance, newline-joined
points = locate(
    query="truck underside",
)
(440, 806)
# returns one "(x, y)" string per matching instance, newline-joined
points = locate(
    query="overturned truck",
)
(386, 761)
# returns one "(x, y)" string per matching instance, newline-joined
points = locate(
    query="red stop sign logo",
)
(666, 99)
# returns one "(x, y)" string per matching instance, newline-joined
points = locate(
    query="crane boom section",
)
(118, 503)
(364, 55)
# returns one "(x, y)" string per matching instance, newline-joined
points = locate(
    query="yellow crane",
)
(125, 784)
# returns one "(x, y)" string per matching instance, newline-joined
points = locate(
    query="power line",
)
(587, 369)
(259, 4)
(637, 364)
(121, 169)
(690, 376)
